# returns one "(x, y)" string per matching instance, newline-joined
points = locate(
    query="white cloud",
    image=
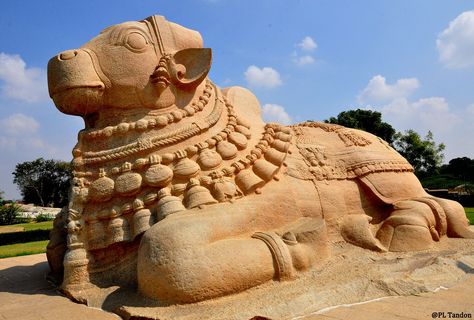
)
(456, 43)
(470, 110)
(265, 77)
(308, 44)
(425, 114)
(304, 60)
(20, 131)
(377, 90)
(19, 124)
(275, 113)
(20, 82)
(436, 104)
(433, 114)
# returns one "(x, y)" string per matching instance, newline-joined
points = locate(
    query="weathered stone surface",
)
(352, 276)
(26, 294)
(162, 202)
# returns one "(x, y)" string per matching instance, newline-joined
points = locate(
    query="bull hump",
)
(333, 152)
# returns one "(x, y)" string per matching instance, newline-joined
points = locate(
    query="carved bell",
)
(248, 182)
(119, 230)
(141, 222)
(101, 189)
(158, 175)
(274, 156)
(197, 195)
(226, 149)
(177, 189)
(238, 139)
(168, 204)
(280, 145)
(283, 136)
(224, 189)
(243, 130)
(128, 183)
(265, 169)
(186, 168)
(208, 159)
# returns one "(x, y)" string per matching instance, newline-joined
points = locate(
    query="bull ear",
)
(189, 67)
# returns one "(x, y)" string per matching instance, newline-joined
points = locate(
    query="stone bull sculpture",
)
(182, 191)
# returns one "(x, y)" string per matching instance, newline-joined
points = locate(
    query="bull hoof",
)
(457, 223)
(356, 229)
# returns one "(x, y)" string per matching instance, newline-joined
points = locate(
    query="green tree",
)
(367, 120)
(459, 171)
(423, 154)
(43, 182)
(461, 168)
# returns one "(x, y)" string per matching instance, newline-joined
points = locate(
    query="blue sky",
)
(307, 59)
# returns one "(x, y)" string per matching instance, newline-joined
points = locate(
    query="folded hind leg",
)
(411, 226)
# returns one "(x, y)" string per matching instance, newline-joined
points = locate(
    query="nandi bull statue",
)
(181, 191)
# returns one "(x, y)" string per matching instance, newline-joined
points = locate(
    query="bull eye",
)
(136, 42)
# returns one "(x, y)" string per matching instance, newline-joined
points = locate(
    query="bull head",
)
(144, 64)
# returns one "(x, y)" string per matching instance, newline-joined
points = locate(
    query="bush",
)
(24, 236)
(9, 214)
(44, 217)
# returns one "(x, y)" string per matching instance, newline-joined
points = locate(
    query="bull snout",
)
(73, 73)
(72, 69)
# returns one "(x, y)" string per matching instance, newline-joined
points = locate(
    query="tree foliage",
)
(459, 171)
(425, 155)
(43, 182)
(367, 120)
(460, 168)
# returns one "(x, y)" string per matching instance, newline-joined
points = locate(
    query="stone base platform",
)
(25, 294)
(355, 284)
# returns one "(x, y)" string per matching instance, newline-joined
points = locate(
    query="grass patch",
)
(23, 249)
(45, 225)
(470, 214)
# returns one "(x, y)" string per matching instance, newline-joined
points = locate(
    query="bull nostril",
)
(67, 55)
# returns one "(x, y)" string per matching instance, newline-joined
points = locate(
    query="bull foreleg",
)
(206, 255)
